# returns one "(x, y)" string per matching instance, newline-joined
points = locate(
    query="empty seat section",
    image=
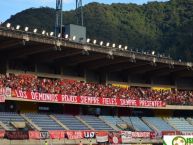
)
(113, 120)
(44, 121)
(159, 123)
(8, 117)
(180, 124)
(136, 123)
(96, 123)
(190, 120)
(71, 122)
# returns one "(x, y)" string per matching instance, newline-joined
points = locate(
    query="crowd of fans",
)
(70, 87)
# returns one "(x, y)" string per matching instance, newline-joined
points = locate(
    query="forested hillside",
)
(166, 27)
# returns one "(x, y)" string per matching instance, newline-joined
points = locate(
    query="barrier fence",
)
(100, 136)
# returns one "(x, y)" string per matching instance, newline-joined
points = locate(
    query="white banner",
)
(126, 136)
(4, 92)
(141, 134)
(178, 140)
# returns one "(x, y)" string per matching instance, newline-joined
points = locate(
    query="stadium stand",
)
(71, 122)
(71, 87)
(180, 124)
(44, 121)
(34, 66)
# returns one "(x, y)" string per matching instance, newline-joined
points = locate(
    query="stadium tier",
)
(27, 82)
(83, 122)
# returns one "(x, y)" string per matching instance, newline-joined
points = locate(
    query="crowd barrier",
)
(99, 136)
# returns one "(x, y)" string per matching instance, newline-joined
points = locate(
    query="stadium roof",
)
(39, 48)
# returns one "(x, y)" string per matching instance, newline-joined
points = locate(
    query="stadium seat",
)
(96, 123)
(71, 122)
(8, 117)
(180, 124)
(136, 123)
(44, 121)
(158, 123)
(113, 120)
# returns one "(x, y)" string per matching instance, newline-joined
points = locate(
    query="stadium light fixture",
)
(88, 40)
(120, 46)
(66, 37)
(18, 27)
(47, 34)
(107, 44)
(35, 30)
(59, 35)
(101, 43)
(43, 32)
(51, 33)
(94, 41)
(126, 47)
(74, 38)
(26, 29)
(8, 25)
(113, 45)
(153, 52)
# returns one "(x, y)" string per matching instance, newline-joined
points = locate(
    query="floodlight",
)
(94, 41)
(8, 25)
(88, 40)
(107, 44)
(51, 33)
(153, 52)
(120, 46)
(43, 32)
(26, 29)
(47, 34)
(126, 47)
(113, 45)
(17, 27)
(35, 30)
(74, 38)
(101, 43)
(66, 37)
(59, 35)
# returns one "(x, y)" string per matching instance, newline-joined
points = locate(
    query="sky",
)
(11, 7)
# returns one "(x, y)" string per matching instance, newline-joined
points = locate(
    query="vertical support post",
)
(59, 17)
(79, 13)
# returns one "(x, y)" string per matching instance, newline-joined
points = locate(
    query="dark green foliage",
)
(166, 27)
